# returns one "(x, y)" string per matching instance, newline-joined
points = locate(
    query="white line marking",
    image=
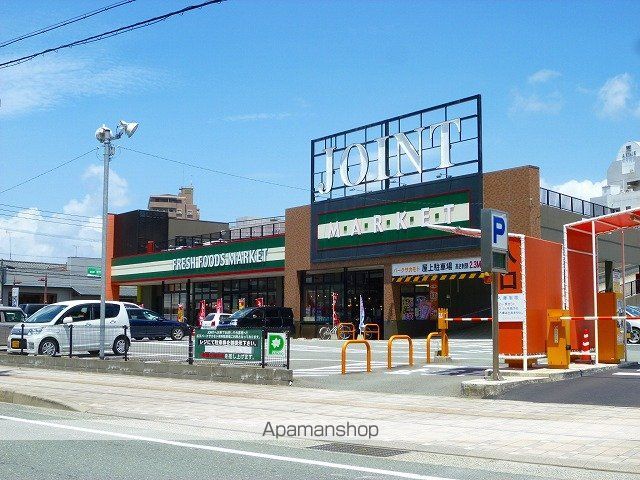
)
(230, 451)
(627, 374)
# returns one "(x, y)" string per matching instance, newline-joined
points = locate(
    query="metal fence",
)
(573, 204)
(275, 226)
(84, 341)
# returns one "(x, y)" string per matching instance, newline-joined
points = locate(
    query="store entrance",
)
(350, 286)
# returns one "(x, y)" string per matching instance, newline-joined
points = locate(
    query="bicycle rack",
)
(344, 354)
(390, 347)
(371, 328)
(344, 329)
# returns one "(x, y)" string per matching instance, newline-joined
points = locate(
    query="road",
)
(620, 388)
(140, 427)
(63, 445)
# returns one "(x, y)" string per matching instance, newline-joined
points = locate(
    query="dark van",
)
(269, 318)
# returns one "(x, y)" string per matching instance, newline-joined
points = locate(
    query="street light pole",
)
(105, 208)
(103, 135)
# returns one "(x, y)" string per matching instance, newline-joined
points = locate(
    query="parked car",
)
(145, 323)
(633, 326)
(31, 308)
(47, 332)
(269, 318)
(212, 320)
(9, 317)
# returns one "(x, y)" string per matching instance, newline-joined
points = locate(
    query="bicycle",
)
(327, 332)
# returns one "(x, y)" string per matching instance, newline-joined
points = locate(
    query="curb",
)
(9, 396)
(488, 389)
(208, 372)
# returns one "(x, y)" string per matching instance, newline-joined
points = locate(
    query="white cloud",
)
(534, 103)
(615, 95)
(544, 75)
(28, 225)
(48, 81)
(250, 117)
(584, 189)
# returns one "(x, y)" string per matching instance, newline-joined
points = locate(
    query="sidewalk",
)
(607, 438)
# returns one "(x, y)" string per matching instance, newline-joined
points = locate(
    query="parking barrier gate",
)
(344, 354)
(390, 346)
(371, 328)
(469, 319)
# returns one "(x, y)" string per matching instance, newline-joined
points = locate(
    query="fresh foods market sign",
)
(437, 142)
(244, 257)
(264, 254)
(394, 222)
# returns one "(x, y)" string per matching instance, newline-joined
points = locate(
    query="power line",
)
(64, 23)
(19, 209)
(35, 218)
(48, 171)
(220, 172)
(83, 239)
(29, 255)
(111, 33)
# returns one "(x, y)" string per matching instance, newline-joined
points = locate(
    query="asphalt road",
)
(57, 445)
(620, 388)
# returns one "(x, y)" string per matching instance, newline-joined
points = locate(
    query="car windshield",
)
(240, 313)
(46, 314)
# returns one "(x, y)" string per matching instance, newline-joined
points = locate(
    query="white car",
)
(49, 332)
(213, 320)
(633, 326)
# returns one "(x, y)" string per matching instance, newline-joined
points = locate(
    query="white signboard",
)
(512, 307)
(15, 293)
(434, 267)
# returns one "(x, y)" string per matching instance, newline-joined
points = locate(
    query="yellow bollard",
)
(344, 354)
(390, 346)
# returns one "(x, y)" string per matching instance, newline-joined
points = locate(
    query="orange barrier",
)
(346, 329)
(371, 328)
(445, 343)
(390, 346)
(344, 354)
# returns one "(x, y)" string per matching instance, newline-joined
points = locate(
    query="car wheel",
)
(48, 346)
(177, 334)
(635, 336)
(120, 345)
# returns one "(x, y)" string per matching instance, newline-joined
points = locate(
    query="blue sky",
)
(244, 86)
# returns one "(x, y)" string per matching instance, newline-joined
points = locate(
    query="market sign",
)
(248, 256)
(451, 265)
(436, 142)
(229, 345)
(94, 272)
(392, 222)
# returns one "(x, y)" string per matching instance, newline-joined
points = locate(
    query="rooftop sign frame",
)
(438, 142)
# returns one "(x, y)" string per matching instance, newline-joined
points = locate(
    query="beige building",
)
(179, 206)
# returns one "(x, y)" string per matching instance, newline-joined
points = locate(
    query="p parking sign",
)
(494, 245)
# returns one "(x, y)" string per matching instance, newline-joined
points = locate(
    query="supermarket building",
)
(363, 235)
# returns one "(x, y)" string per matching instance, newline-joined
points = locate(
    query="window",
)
(14, 316)
(80, 313)
(179, 213)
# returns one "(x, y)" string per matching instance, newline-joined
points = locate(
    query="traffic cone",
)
(586, 348)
